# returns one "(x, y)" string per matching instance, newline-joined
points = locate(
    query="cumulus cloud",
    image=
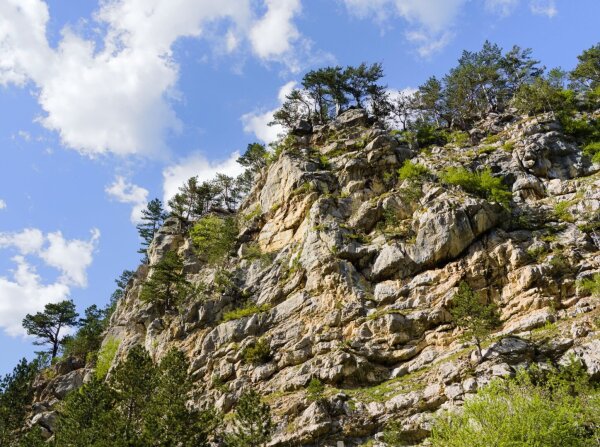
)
(2, 204)
(430, 22)
(197, 165)
(126, 192)
(115, 96)
(544, 8)
(23, 290)
(257, 122)
(274, 34)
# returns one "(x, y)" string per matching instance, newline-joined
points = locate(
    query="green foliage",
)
(167, 419)
(544, 95)
(583, 129)
(106, 356)
(214, 237)
(592, 150)
(142, 404)
(152, 219)
(412, 171)
(47, 325)
(252, 214)
(167, 284)
(87, 417)
(561, 211)
(89, 336)
(255, 157)
(253, 252)
(475, 318)
(429, 134)
(257, 353)
(591, 285)
(16, 395)
(534, 409)
(252, 423)
(481, 183)
(247, 310)
(315, 389)
(586, 75)
(459, 138)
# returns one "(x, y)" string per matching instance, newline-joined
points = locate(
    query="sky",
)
(105, 105)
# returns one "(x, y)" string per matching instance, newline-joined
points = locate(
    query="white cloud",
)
(544, 8)
(127, 192)
(431, 22)
(23, 291)
(2, 204)
(503, 8)
(116, 96)
(273, 35)
(258, 122)
(197, 165)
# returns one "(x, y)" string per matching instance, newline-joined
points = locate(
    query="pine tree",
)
(252, 424)
(255, 157)
(16, 395)
(88, 418)
(133, 380)
(586, 75)
(167, 284)
(47, 326)
(169, 420)
(89, 336)
(476, 318)
(152, 219)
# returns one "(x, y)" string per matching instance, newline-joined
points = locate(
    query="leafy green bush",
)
(592, 150)
(412, 171)
(458, 138)
(481, 183)
(214, 237)
(106, 356)
(534, 409)
(315, 389)
(561, 211)
(258, 353)
(592, 285)
(249, 309)
(428, 135)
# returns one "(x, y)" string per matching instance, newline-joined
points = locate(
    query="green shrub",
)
(428, 135)
(214, 237)
(481, 183)
(582, 129)
(592, 150)
(534, 409)
(460, 139)
(247, 310)
(251, 215)
(592, 285)
(106, 355)
(315, 389)
(561, 211)
(258, 353)
(412, 171)
(491, 139)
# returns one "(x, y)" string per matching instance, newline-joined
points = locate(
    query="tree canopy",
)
(48, 325)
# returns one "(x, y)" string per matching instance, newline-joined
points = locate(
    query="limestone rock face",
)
(357, 272)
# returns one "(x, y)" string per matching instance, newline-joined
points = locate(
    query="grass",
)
(561, 211)
(257, 353)
(246, 311)
(389, 388)
(106, 355)
(412, 171)
(591, 285)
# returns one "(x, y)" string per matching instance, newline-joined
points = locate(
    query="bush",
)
(106, 355)
(561, 211)
(534, 409)
(592, 150)
(481, 183)
(459, 138)
(428, 135)
(214, 237)
(258, 353)
(315, 389)
(412, 171)
(592, 285)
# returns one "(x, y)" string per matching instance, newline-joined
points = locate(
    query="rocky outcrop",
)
(358, 271)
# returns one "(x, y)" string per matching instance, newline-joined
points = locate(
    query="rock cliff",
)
(351, 272)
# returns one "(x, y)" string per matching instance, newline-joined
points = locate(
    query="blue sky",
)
(105, 105)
